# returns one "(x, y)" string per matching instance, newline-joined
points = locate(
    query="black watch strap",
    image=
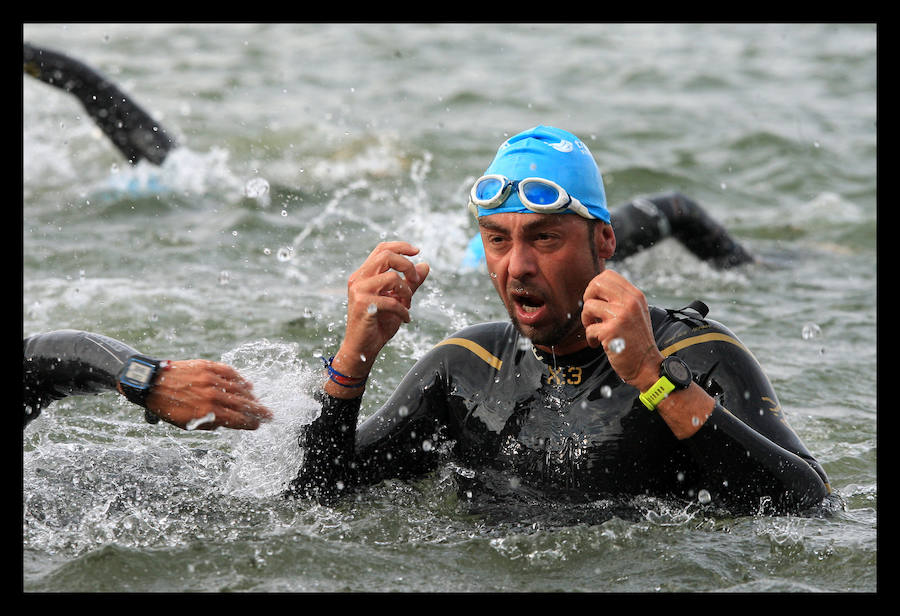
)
(136, 379)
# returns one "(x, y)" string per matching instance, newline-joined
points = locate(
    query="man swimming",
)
(586, 392)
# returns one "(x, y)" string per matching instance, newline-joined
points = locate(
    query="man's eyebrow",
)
(547, 221)
(491, 226)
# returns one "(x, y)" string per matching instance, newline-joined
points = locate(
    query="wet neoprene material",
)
(642, 222)
(130, 129)
(68, 362)
(568, 426)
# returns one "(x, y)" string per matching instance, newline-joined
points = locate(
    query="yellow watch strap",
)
(656, 394)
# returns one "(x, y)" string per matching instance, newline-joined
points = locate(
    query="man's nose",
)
(522, 261)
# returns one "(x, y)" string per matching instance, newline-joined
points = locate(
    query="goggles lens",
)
(539, 193)
(489, 188)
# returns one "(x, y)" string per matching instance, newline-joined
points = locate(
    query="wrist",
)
(136, 379)
(353, 364)
(673, 375)
(649, 373)
(346, 379)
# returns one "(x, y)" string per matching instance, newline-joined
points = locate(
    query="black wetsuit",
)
(644, 221)
(568, 426)
(70, 362)
(130, 129)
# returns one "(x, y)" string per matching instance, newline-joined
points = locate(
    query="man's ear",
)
(604, 240)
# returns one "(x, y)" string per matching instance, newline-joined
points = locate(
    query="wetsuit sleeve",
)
(747, 448)
(643, 222)
(748, 469)
(400, 440)
(68, 362)
(129, 127)
(328, 450)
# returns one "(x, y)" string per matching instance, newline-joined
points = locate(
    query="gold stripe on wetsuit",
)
(477, 349)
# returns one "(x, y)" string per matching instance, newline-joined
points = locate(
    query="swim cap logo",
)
(562, 146)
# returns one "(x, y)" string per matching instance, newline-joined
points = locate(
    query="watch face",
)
(679, 371)
(138, 373)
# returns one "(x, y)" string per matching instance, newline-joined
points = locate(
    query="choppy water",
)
(362, 132)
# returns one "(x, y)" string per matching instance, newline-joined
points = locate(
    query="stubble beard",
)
(550, 337)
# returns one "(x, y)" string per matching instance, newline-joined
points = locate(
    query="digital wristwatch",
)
(135, 380)
(674, 375)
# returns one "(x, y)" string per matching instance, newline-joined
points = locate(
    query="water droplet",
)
(284, 212)
(617, 345)
(372, 309)
(695, 420)
(256, 188)
(606, 391)
(810, 331)
(493, 274)
(704, 497)
(426, 445)
(680, 476)
(403, 411)
(224, 277)
(362, 358)
(267, 251)
(285, 253)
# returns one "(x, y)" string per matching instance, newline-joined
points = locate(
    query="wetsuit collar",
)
(578, 358)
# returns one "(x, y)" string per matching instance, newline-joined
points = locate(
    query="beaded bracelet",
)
(342, 379)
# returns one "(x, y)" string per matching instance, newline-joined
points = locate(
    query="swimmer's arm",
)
(644, 222)
(129, 128)
(400, 440)
(745, 466)
(379, 296)
(70, 362)
(748, 453)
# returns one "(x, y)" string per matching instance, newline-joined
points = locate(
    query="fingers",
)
(236, 415)
(209, 392)
(616, 316)
(393, 256)
(385, 283)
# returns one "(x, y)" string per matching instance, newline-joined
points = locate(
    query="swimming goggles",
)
(537, 194)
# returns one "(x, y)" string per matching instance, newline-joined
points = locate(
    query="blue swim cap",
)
(552, 154)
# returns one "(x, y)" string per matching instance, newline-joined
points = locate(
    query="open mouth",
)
(526, 303)
(529, 304)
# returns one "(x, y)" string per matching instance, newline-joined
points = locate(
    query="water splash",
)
(199, 421)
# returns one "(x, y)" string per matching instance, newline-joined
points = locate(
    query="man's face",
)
(540, 265)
